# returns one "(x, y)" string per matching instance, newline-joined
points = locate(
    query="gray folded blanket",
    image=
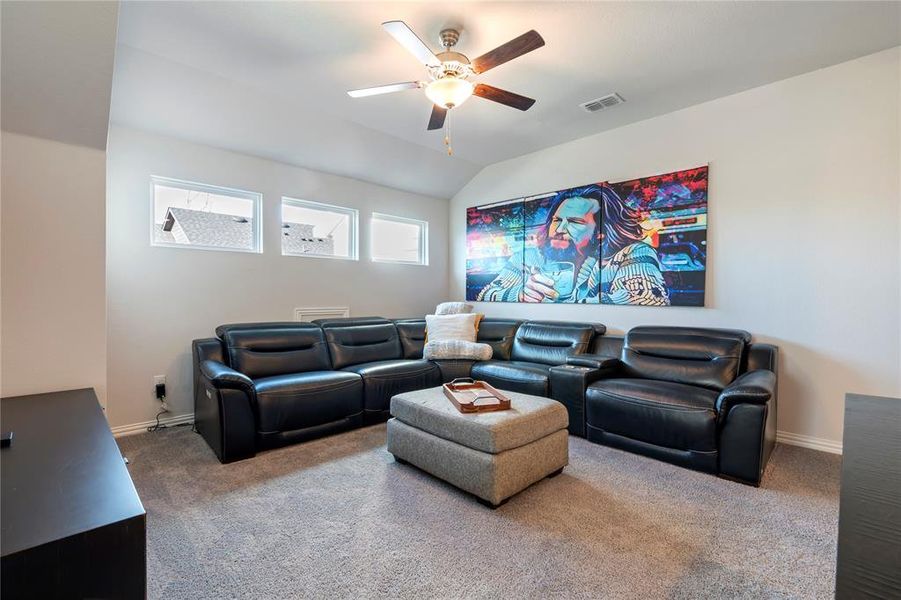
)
(456, 350)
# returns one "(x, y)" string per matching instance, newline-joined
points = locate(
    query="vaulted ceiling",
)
(269, 79)
(57, 69)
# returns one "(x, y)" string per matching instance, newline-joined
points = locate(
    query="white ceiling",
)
(270, 78)
(57, 69)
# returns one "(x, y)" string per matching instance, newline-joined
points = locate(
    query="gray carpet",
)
(338, 518)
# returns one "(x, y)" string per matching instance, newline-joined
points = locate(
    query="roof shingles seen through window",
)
(202, 228)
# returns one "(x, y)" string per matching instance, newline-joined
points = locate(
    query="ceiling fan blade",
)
(489, 92)
(383, 89)
(506, 52)
(409, 40)
(436, 121)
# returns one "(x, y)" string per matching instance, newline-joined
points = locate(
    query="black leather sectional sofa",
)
(702, 398)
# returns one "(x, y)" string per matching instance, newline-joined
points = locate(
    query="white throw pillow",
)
(442, 328)
(453, 308)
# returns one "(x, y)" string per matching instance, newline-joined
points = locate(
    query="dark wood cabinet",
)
(72, 523)
(869, 522)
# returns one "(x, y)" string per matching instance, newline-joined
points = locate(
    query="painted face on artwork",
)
(573, 228)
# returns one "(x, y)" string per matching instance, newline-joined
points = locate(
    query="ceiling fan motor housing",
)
(449, 37)
(453, 64)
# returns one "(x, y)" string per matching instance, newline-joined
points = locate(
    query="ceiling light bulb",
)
(449, 92)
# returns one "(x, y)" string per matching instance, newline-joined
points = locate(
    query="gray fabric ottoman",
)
(491, 455)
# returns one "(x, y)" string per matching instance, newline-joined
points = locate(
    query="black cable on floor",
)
(158, 426)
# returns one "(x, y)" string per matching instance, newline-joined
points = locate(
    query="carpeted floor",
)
(338, 518)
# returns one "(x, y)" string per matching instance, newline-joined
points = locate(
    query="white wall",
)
(159, 299)
(803, 225)
(53, 280)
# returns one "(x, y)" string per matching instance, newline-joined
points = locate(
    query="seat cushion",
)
(672, 415)
(300, 400)
(385, 378)
(454, 369)
(514, 375)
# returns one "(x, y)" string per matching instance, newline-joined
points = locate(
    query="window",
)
(320, 230)
(400, 240)
(196, 215)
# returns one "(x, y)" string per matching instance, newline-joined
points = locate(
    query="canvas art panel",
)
(639, 242)
(493, 235)
(671, 210)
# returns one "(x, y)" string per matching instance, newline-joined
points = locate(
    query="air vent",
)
(602, 103)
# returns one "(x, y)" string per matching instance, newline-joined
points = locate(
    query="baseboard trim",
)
(783, 437)
(134, 428)
(807, 441)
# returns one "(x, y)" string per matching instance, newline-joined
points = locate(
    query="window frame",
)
(354, 254)
(255, 197)
(423, 239)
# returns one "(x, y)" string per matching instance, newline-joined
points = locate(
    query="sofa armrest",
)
(224, 411)
(569, 382)
(753, 387)
(595, 361)
(567, 385)
(746, 412)
(223, 377)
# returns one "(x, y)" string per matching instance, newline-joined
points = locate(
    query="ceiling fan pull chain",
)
(447, 138)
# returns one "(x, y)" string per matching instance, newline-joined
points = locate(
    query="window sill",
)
(325, 256)
(399, 262)
(155, 244)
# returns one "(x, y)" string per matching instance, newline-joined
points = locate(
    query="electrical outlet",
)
(159, 389)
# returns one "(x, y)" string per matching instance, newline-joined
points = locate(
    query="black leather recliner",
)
(372, 349)
(270, 384)
(536, 347)
(701, 398)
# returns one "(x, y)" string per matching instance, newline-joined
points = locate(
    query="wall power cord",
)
(164, 408)
(160, 391)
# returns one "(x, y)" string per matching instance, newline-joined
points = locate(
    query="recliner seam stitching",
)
(312, 426)
(508, 378)
(421, 372)
(665, 406)
(590, 426)
(316, 389)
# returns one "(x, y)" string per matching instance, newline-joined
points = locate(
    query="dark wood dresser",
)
(869, 522)
(72, 523)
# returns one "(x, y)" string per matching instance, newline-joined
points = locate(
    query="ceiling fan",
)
(449, 71)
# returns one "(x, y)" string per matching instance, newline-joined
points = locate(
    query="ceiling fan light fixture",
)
(449, 92)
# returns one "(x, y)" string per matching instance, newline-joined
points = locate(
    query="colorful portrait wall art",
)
(639, 242)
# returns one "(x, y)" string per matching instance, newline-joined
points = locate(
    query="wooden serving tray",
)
(471, 396)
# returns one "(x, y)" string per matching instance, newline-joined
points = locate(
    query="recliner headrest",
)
(222, 329)
(687, 343)
(551, 342)
(267, 349)
(704, 357)
(350, 321)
